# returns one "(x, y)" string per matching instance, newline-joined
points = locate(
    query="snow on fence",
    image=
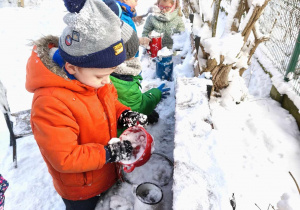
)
(281, 20)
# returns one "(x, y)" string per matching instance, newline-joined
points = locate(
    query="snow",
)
(155, 34)
(256, 2)
(206, 9)
(229, 46)
(164, 52)
(247, 18)
(231, 13)
(242, 143)
(277, 78)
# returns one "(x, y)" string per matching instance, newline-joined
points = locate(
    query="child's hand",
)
(153, 117)
(164, 91)
(138, 20)
(129, 118)
(118, 151)
(154, 9)
(144, 41)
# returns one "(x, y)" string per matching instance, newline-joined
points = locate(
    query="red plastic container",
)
(142, 143)
(155, 46)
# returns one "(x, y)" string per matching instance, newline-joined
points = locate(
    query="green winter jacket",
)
(126, 80)
(168, 24)
(129, 94)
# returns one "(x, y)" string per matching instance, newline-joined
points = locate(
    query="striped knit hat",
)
(92, 38)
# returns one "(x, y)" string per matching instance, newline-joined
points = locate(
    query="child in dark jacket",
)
(75, 111)
(167, 22)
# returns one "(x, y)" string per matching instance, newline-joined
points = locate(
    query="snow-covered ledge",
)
(192, 156)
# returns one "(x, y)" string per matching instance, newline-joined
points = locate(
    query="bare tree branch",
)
(257, 41)
(215, 18)
(295, 181)
(238, 15)
(271, 206)
(257, 206)
(252, 20)
(185, 8)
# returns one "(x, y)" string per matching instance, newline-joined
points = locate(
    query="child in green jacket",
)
(126, 79)
(167, 22)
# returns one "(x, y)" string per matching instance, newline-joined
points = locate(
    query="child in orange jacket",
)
(75, 111)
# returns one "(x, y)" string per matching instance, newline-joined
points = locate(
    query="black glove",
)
(153, 117)
(119, 151)
(129, 118)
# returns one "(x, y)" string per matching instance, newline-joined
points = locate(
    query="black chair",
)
(17, 123)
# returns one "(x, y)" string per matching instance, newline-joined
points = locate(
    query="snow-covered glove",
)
(118, 151)
(129, 118)
(144, 41)
(153, 117)
(164, 91)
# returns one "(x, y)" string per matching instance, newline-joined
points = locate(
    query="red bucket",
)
(142, 143)
(155, 46)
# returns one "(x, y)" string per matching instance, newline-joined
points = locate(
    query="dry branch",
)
(271, 206)
(221, 77)
(241, 71)
(211, 64)
(185, 8)
(257, 206)
(252, 20)
(257, 41)
(194, 8)
(295, 181)
(238, 15)
(215, 17)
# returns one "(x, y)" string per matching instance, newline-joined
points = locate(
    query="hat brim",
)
(107, 58)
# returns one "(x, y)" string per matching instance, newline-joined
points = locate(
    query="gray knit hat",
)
(130, 39)
(92, 38)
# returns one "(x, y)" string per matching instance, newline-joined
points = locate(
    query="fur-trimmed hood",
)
(130, 67)
(43, 46)
(42, 72)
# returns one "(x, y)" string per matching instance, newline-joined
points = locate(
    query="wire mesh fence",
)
(281, 19)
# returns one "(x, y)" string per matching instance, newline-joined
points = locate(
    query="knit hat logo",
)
(68, 40)
(75, 36)
(118, 48)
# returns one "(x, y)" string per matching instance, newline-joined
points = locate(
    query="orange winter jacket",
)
(71, 123)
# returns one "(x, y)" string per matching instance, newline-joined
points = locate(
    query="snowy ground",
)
(253, 146)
